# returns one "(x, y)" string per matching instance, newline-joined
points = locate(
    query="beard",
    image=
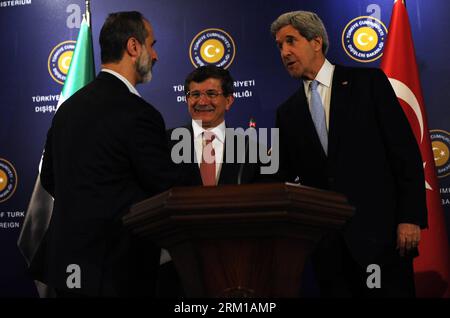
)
(144, 65)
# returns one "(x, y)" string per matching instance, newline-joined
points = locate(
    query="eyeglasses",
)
(195, 95)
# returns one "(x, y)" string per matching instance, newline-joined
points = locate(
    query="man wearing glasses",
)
(209, 95)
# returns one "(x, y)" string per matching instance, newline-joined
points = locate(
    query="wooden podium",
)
(239, 240)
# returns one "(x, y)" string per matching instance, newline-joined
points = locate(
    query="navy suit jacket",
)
(373, 158)
(106, 149)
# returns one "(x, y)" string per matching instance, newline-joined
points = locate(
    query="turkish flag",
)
(399, 63)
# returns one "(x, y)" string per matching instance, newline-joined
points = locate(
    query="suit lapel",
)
(339, 106)
(229, 171)
(192, 169)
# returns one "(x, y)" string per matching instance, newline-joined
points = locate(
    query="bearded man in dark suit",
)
(106, 149)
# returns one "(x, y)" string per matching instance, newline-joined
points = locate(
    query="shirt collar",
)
(324, 76)
(219, 130)
(131, 88)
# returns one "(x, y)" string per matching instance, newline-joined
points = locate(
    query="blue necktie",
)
(318, 115)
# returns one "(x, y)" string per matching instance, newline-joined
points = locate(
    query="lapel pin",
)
(345, 83)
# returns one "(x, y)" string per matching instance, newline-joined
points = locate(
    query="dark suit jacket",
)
(189, 173)
(106, 149)
(373, 158)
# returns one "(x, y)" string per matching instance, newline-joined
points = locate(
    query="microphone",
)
(252, 125)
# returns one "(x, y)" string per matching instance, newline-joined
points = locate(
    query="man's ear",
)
(133, 47)
(230, 100)
(318, 42)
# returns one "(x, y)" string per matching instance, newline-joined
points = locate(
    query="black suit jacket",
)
(373, 157)
(106, 149)
(189, 172)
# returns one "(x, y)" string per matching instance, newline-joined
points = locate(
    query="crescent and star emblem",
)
(207, 49)
(360, 37)
(406, 94)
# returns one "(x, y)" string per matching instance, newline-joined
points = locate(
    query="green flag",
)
(82, 69)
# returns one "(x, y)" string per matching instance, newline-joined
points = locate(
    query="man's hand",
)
(408, 237)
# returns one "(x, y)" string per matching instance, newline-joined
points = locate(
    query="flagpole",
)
(88, 12)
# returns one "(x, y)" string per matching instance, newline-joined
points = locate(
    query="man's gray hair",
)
(308, 24)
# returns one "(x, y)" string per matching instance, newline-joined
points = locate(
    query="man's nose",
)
(154, 55)
(285, 51)
(203, 99)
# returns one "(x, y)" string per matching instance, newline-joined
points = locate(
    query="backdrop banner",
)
(39, 37)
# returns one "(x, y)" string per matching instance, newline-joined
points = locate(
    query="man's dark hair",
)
(203, 73)
(116, 31)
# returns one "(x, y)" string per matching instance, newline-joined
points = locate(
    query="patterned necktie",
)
(318, 115)
(208, 164)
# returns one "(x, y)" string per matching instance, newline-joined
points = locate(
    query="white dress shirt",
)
(325, 79)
